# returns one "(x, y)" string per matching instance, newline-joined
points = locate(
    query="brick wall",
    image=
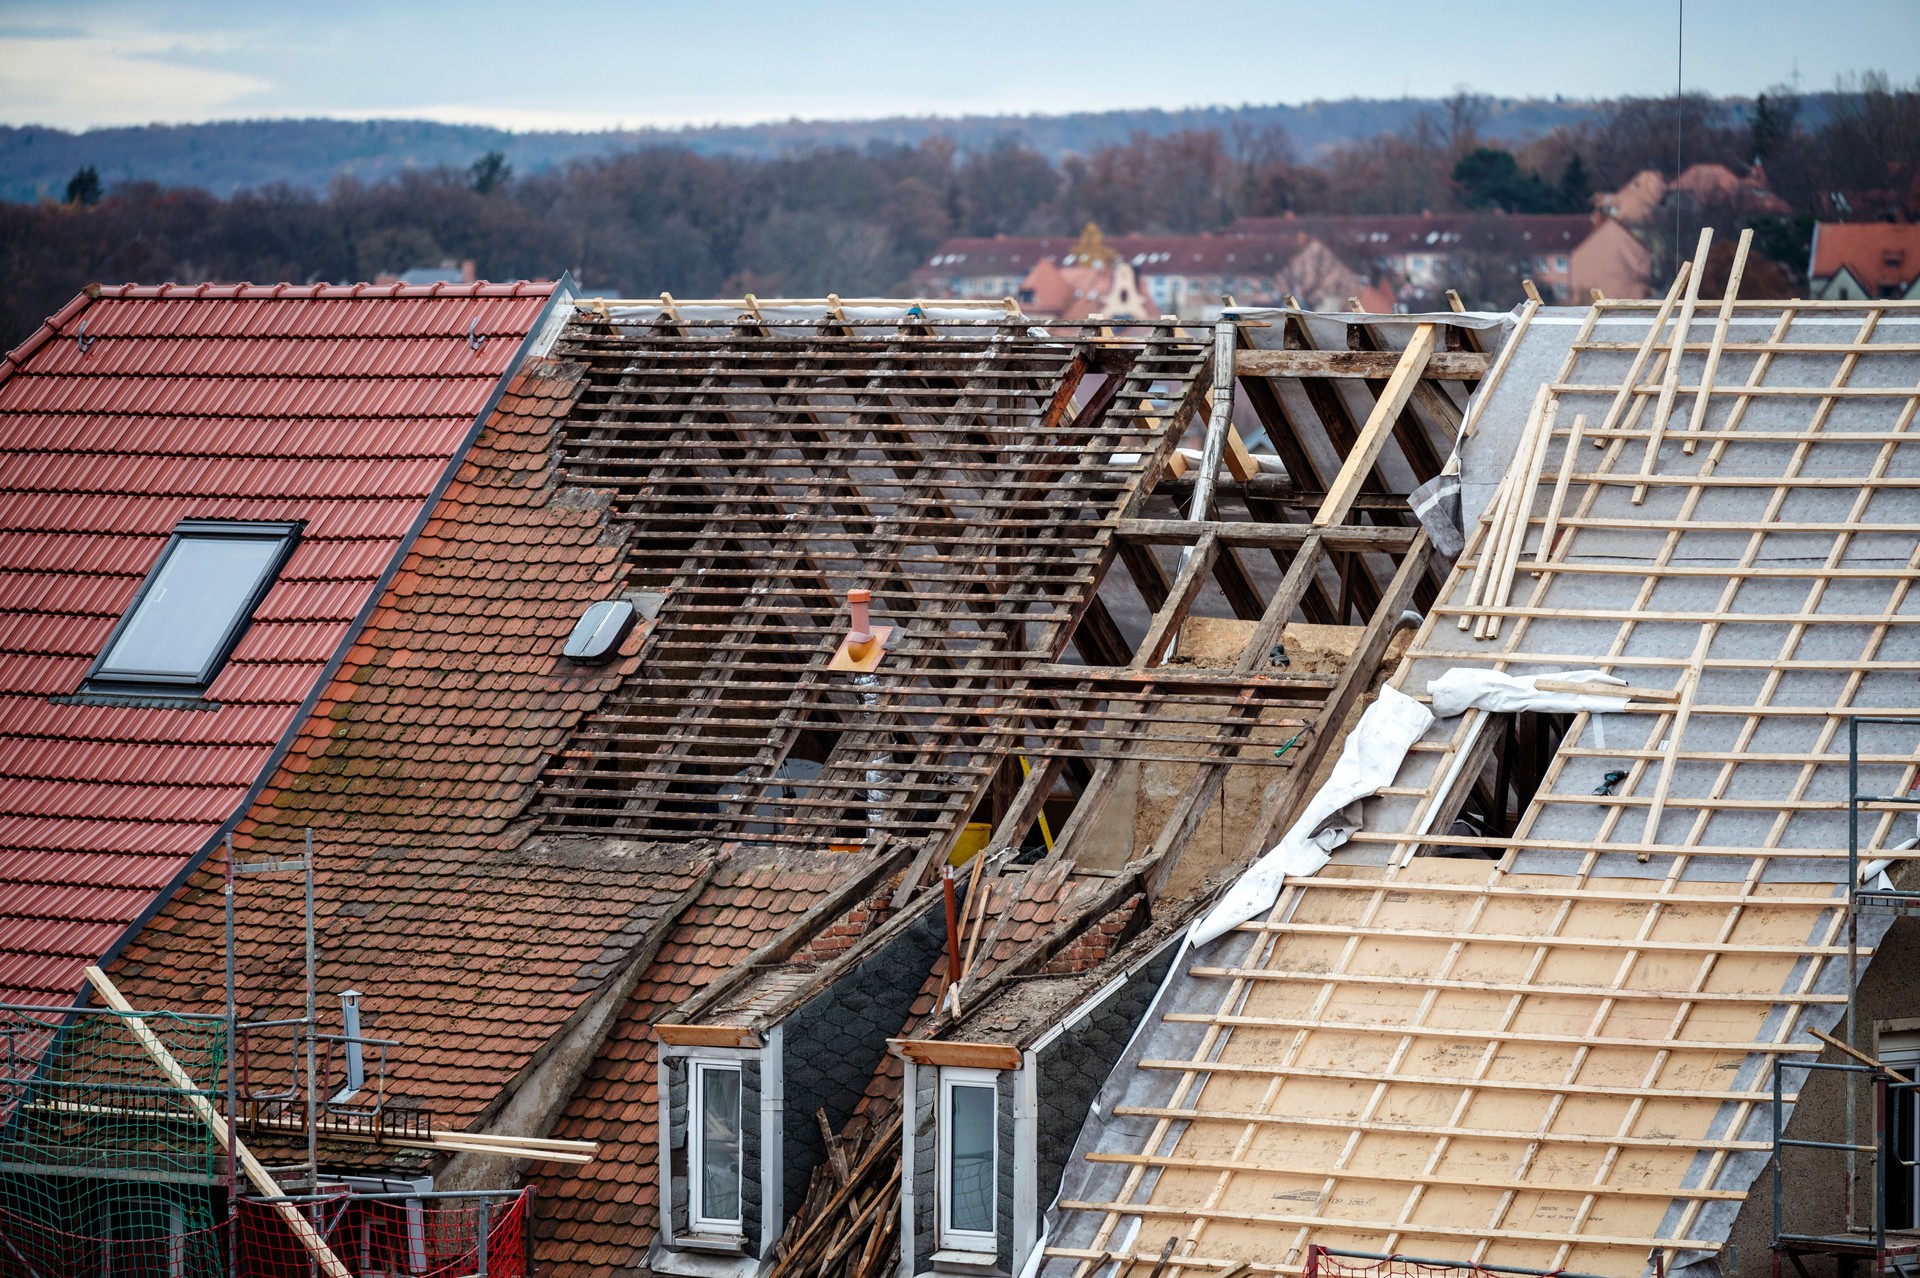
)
(1091, 948)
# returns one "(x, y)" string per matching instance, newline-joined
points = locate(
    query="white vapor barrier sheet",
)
(1368, 761)
(1465, 688)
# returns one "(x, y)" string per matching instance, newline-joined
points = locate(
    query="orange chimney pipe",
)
(860, 639)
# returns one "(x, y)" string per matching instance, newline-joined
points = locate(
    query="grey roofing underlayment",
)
(1595, 1027)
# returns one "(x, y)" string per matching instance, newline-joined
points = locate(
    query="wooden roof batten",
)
(768, 471)
(1522, 1060)
(902, 458)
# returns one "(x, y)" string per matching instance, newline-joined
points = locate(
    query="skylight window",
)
(193, 607)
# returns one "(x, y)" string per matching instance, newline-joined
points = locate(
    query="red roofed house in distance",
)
(203, 491)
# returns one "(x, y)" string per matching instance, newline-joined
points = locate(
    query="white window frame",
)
(1900, 1050)
(968, 1240)
(176, 1237)
(697, 1219)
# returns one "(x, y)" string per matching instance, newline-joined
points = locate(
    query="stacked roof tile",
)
(135, 408)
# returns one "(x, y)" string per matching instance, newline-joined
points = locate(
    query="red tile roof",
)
(1258, 246)
(975, 256)
(1358, 236)
(1879, 254)
(597, 1221)
(134, 408)
(469, 946)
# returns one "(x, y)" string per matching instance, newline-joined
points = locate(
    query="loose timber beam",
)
(1454, 366)
(263, 1182)
(1669, 387)
(1379, 423)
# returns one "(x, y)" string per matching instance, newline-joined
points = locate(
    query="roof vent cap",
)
(597, 635)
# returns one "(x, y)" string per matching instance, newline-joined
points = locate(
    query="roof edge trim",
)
(49, 329)
(960, 1055)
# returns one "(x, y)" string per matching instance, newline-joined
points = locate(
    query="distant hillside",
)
(35, 163)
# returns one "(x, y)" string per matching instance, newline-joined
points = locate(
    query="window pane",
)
(970, 1154)
(720, 1144)
(193, 600)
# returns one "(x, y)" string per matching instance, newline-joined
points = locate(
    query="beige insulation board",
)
(1554, 1049)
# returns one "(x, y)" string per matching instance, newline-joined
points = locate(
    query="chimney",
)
(469, 269)
(860, 633)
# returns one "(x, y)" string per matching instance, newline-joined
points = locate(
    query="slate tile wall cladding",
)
(1074, 1065)
(751, 1142)
(1004, 1087)
(926, 1157)
(836, 1041)
(676, 1071)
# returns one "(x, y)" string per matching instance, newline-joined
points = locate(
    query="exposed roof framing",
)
(1262, 561)
(1548, 1044)
(970, 477)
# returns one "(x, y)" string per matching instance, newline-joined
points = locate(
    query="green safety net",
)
(105, 1167)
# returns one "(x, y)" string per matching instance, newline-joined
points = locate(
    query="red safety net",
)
(427, 1237)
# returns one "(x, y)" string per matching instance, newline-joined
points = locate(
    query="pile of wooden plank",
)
(850, 1221)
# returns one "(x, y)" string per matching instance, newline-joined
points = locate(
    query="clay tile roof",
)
(1358, 236)
(1262, 251)
(134, 408)
(578, 1229)
(469, 945)
(1879, 254)
(1261, 246)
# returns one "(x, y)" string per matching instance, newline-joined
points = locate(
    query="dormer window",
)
(719, 1191)
(193, 607)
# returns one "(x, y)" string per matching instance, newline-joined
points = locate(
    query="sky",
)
(592, 64)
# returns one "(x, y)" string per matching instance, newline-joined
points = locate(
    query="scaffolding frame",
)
(1856, 1243)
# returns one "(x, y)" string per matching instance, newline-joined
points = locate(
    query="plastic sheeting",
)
(1465, 688)
(1368, 761)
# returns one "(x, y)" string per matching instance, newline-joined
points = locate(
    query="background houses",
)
(1386, 263)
